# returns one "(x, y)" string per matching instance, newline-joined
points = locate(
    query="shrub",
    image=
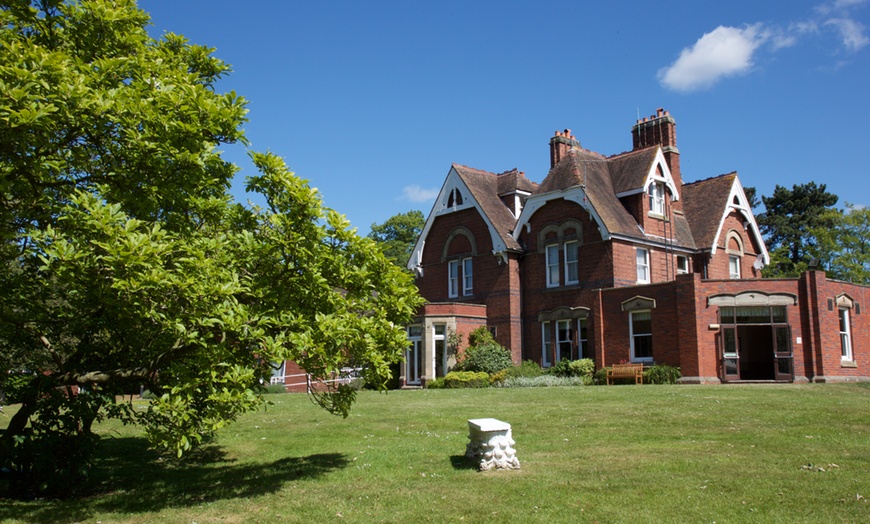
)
(480, 336)
(528, 368)
(542, 381)
(600, 376)
(466, 379)
(661, 374)
(584, 367)
(499, 376)
(488, 358)
(561, 369)
(436, 383)
(275, 388)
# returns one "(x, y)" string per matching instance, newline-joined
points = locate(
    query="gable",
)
(468, 189)
(737, 202)
(633, 173)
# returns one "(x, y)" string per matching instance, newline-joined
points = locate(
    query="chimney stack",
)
(560, 144)
(659, 129)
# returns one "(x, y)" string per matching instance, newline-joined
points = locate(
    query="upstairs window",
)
(734, 266)
(571, 262)
(643, 272)
(657, 198)
(453, 278)
(552, 255)
(467, 282)
(682, 265)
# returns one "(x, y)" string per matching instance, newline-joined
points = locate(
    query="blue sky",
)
(372, 101)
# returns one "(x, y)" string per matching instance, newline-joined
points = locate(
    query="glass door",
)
(413, 355)
(784, 360)
(730, 357)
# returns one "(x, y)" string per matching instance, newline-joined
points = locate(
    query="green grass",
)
(588, 454)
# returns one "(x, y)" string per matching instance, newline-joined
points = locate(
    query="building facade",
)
(615, 258)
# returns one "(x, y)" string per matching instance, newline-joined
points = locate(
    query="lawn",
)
(760, 453)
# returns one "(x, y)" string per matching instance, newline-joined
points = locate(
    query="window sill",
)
(848, 364)
(657, 216)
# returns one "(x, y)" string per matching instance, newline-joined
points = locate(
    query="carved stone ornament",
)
(491, 444)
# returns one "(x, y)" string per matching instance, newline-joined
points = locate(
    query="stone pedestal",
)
(491, 444)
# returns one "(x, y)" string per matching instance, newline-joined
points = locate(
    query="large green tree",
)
(398, 235)
(125, 262)
(844, 248)
(788, 222)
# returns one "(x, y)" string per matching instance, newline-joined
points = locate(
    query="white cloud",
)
(723, 52)
(415, 193)
(851, 32)
(730, 51)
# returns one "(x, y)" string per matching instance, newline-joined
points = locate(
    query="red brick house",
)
(615, 258)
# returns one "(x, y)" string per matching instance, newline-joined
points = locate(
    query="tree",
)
(126, 263)
(844, 248)
(751, 197)
(398, 235)
(789, 219)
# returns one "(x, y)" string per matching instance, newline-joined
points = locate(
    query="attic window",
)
(657, 198)
(455, 198)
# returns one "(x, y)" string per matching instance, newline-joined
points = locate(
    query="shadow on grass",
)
(130, 478)
(462, 462)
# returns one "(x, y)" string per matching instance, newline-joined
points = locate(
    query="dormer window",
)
(657, 198)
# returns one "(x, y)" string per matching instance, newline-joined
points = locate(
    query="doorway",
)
(755, 344)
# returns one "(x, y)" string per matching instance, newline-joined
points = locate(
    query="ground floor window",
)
(640, 327)
(546, 341)
(564, 339)
(845, 334)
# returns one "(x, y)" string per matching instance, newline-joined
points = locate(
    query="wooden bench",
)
(634, 371)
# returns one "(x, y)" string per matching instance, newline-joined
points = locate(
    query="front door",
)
(755, 344)
(414, 356)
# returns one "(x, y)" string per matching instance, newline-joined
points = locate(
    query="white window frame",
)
(551, 252)
(546, 342)
(633, 336)
(564, 326)
(572, 263)
(467, 277)
(683, 261)
(414, 355)
(642, 257)
(453, 278)
(734, 267)
(657, 198)
(845, 323)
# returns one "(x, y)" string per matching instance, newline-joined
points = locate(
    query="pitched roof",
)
(590, 170)
(699, 198)
(513, 180)
(484, 187)
(628, 171)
